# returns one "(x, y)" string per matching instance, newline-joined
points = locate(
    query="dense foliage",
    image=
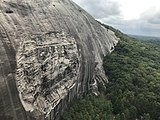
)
(133, 91)
(134, 74)
(90, 108)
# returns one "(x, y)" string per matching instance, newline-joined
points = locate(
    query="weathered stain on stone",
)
(51, 52)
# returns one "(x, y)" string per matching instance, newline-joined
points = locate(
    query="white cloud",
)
(101, 8)
(130, 16)
(132, 9)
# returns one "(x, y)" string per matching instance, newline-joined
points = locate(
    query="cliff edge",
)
(51, 52)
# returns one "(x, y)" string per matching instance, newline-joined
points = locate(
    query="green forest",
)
(133, 91)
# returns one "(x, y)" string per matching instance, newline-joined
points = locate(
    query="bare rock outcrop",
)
(51, 52)
(47, 68)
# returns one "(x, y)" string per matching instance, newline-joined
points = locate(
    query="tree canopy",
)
(133, 69)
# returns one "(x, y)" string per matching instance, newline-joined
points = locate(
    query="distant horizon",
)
(129, 16)
(144, 36)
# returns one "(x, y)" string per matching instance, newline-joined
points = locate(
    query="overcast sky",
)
(138, 17)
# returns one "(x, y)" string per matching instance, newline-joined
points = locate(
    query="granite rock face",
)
(47, 68)
(51, 52)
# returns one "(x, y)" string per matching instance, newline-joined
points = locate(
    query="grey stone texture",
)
(51, 52)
